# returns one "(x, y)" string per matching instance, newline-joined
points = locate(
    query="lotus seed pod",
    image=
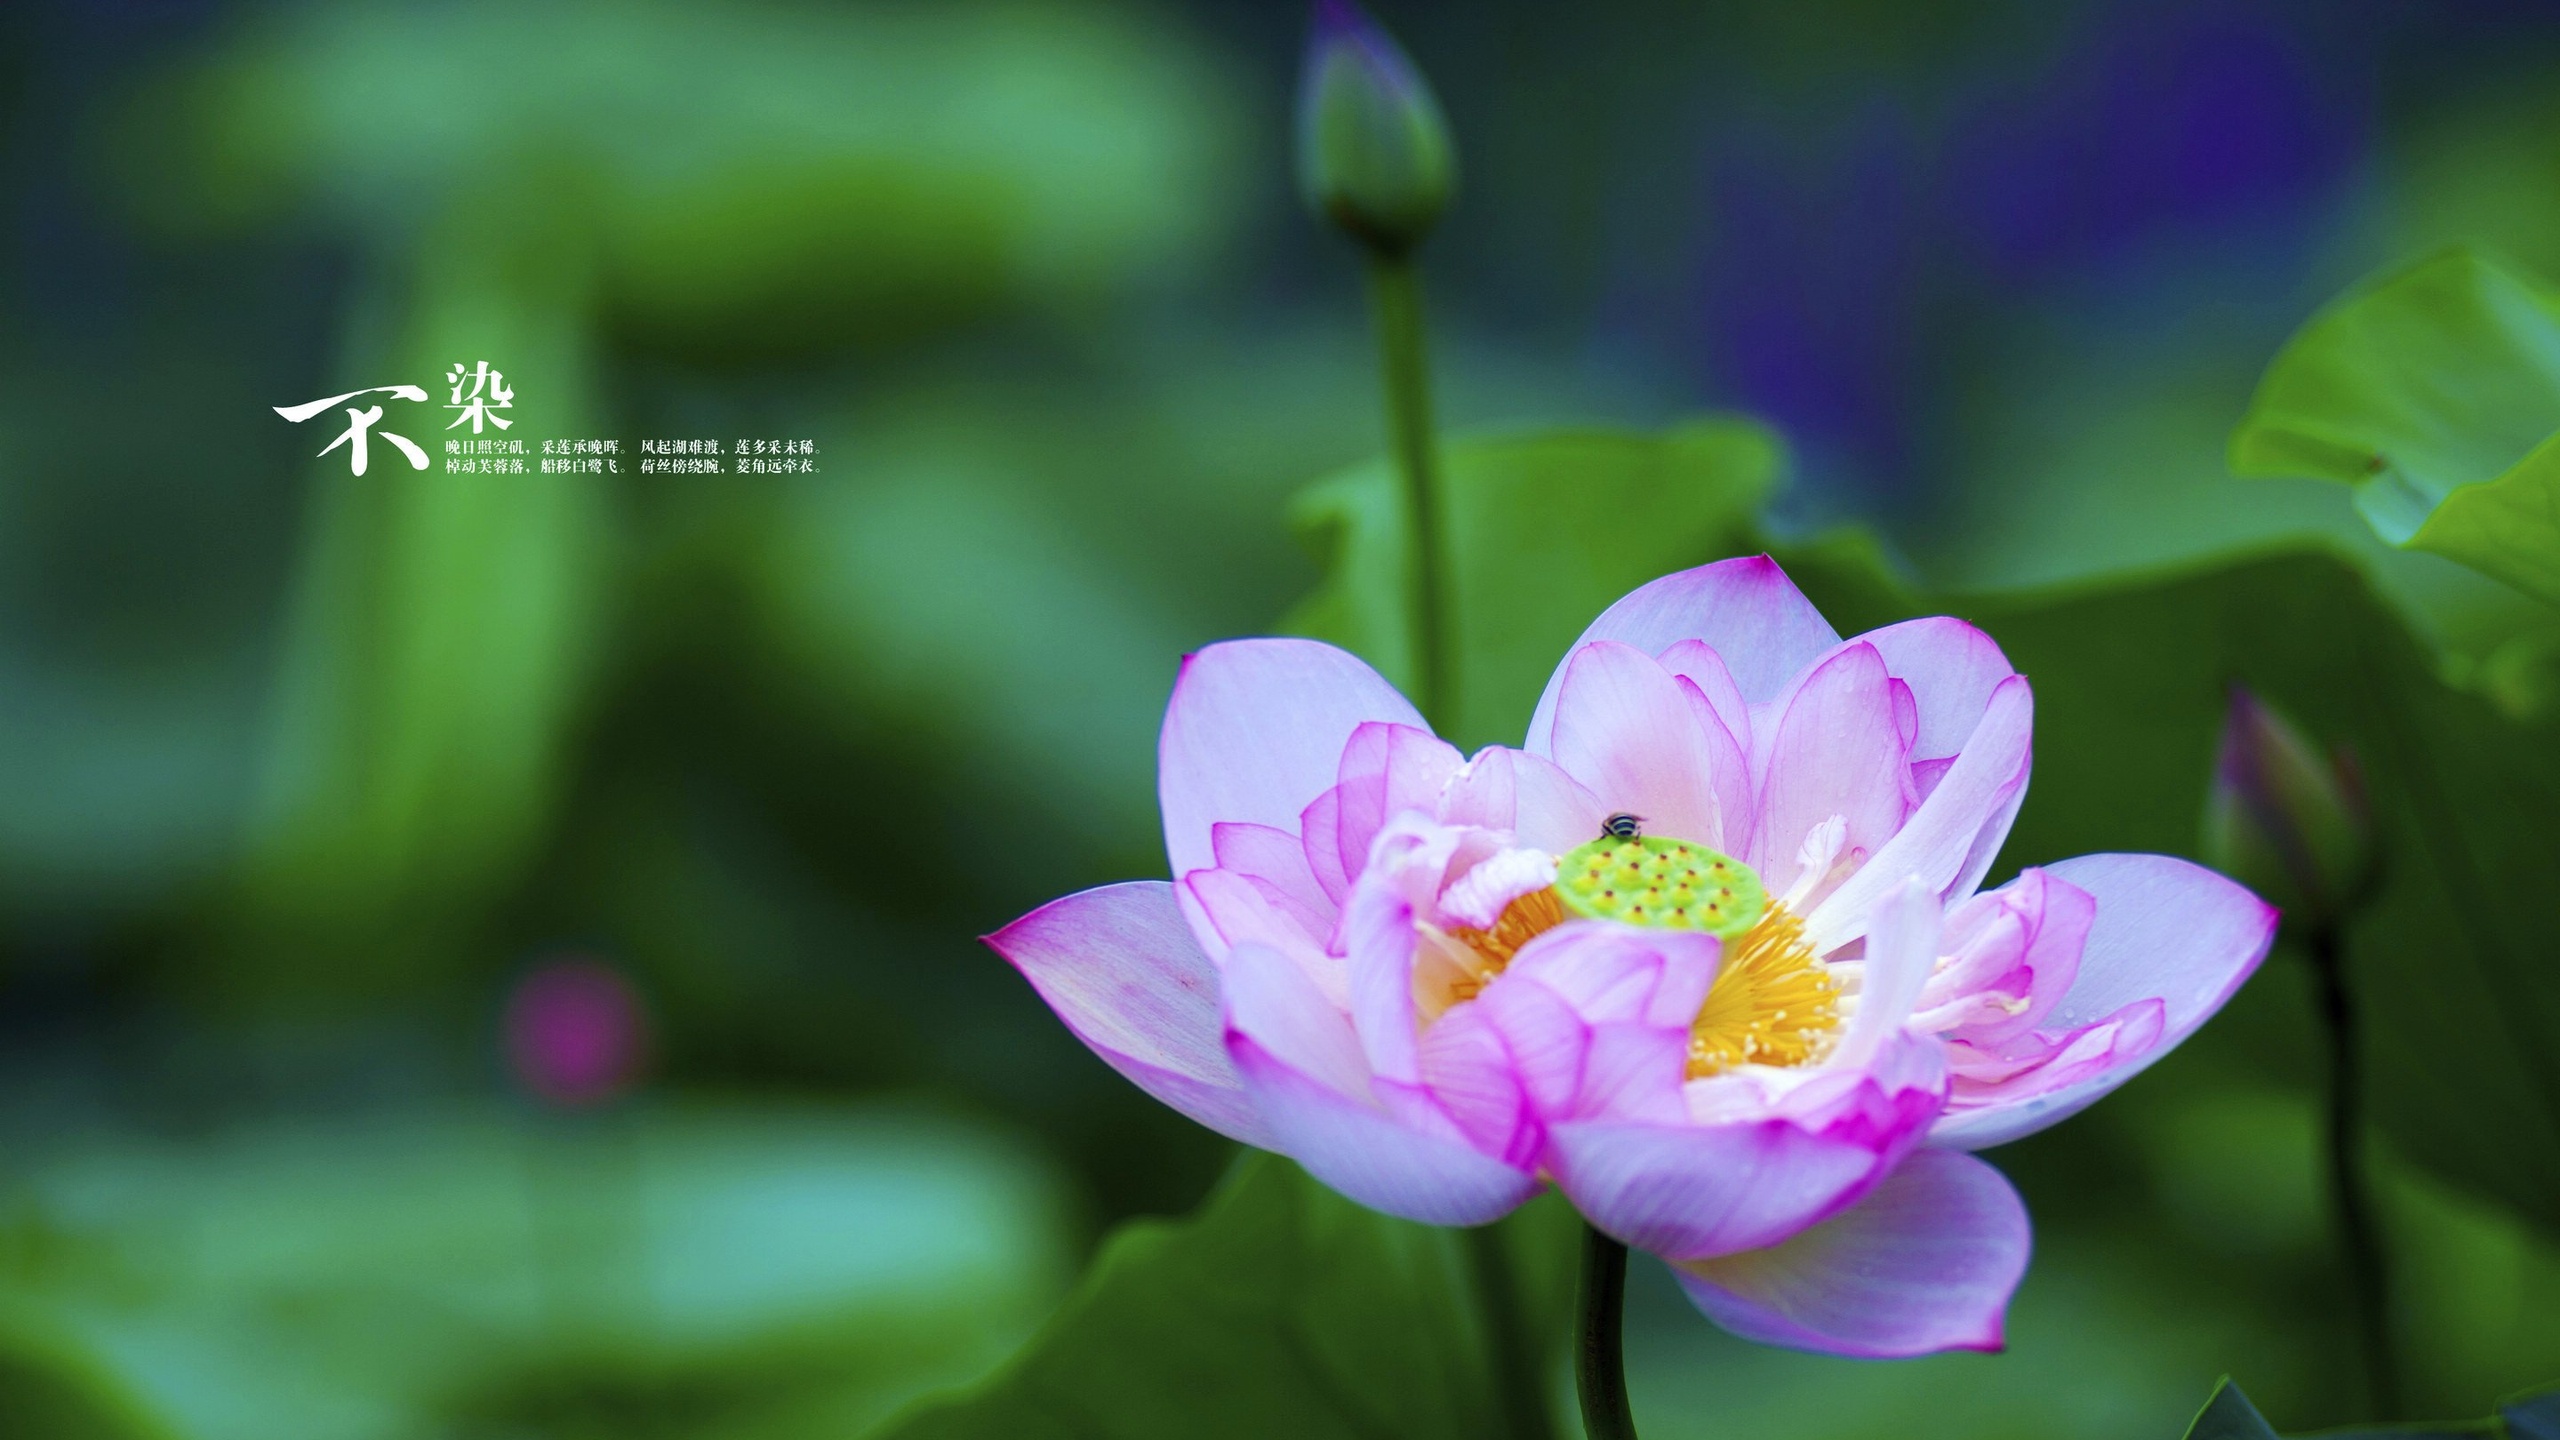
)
(1665, 883)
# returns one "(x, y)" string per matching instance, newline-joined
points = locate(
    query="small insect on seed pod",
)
(1623, 826)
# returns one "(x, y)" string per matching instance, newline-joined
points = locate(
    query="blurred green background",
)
(300, 774)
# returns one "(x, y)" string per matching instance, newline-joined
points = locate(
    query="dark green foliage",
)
(2230, 1416)
(2433, 391)
(1280, 1310)
(49, 1391)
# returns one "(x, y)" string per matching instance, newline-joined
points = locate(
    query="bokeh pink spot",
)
(576, 1032)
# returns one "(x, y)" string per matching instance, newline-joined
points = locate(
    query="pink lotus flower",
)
(1759, 1040)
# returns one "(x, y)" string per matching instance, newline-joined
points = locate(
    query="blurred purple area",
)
(576, 1033)
(1846, 260)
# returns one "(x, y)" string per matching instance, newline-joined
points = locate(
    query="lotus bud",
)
(1373, 151)
(2286, 820)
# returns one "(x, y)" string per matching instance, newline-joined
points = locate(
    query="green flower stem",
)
(1395, 291)
(1519, 1374)
(1599, 1349)
(1404, 361)
(2358, 1238)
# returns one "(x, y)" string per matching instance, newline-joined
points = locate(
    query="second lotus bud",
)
(1373, 151)
(2285, 819)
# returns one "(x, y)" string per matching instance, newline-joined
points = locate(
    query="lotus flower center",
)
(1523, 920)
(1772, 1003)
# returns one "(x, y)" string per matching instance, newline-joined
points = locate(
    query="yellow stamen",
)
(1772, 1003)
(1521, 921)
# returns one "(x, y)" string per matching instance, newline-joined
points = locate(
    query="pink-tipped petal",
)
(1276, 863)
(1387, 771)
(1608, 971)
(1902, 945)
(2164, 930)
(1729, 762)
(1319, 832)
(2021, 944)
(1374, 1158)
(1545, 1040)
(1301, 1065)
(1926, 1262)
(1270, 999)
(1378, 935)
(1226, 910)
(1939, 843)
(1698, 663)
(1255, 731)
(1746, 609)
(1990, 1073)
(1988, 840)
(1595, 1019)
(1726, 718)
(1485, 792)
(1951, 667)
(1122, 970)
(1528, 795)
(1469, 1072)
(1686, 1192)
(1634, 1072)
(1838, 750)
(1628, 730)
